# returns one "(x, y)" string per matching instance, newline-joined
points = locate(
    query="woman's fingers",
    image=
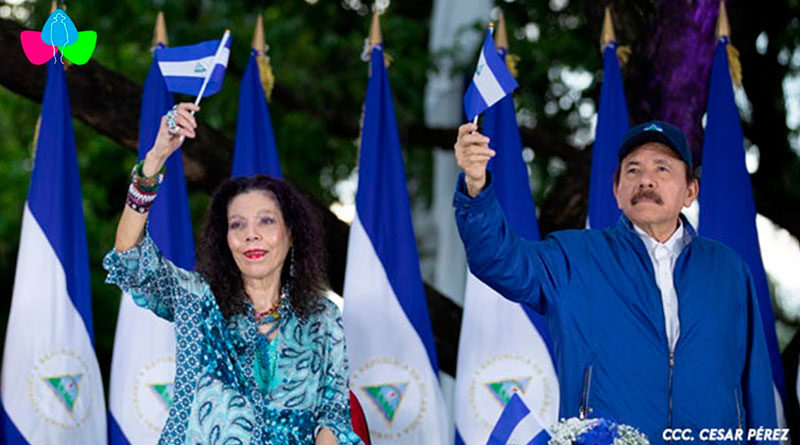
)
(185, 124)
(186, 117)
(188, 106)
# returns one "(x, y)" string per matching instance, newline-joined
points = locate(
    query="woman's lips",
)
(255, 254)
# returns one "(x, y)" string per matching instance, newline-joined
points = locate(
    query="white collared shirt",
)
(663, 256)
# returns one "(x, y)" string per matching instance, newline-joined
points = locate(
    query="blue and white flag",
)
(517, 424)
(393, 366)
(52, 391)
(255, 151)
(185, 68)
(612, 124)
(491, 82)
(505, 347)
(727, 207)
(143, 363)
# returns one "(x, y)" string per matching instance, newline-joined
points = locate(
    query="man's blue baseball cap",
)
(657, 131)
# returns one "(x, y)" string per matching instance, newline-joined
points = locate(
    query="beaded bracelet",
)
(147, 184)
(142, 190)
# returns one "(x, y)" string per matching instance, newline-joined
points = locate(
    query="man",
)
(653, 326)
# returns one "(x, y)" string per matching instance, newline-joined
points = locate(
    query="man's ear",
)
(615, 189)
(692, 192)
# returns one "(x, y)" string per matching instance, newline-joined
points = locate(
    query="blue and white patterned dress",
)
(217, 399)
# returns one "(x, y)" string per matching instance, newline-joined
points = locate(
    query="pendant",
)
(266, 364)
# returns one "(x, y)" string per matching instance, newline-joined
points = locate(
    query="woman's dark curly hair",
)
(216, 263)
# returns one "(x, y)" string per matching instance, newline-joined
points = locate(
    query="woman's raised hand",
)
(170, 137)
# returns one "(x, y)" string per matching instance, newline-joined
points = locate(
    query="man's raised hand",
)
(472, 155)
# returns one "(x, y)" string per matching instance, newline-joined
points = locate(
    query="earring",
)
(292, 270)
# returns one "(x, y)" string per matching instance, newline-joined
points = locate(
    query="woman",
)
(260, 354)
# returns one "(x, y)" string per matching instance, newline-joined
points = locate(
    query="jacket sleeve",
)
(758, 392)
(522, 271)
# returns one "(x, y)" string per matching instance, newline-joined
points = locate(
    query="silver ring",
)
(172, 126)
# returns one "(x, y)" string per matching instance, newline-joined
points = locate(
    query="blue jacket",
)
(598, 291)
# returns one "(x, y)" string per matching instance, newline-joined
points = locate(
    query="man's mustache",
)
(646, 194)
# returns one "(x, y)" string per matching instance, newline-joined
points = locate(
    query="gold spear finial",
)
(53, 6)
(258, 43)
(501, 33)
(375, 30)
(607, 35)
(160, 31)
(723, 27)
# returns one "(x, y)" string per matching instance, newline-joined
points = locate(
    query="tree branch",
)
(109, 102)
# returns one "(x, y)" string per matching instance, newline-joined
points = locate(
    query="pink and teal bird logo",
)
(58, 34)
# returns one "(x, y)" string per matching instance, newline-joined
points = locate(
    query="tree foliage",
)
(315, 49)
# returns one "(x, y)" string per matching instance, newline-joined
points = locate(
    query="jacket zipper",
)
(671, 367)
(584, 410)
(738, 408)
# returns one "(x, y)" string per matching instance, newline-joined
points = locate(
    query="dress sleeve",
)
(333, 397)
(152, 280)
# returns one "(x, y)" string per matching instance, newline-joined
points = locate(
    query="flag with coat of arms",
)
(185, 68)
(51, 389)
(393, 364)
(491, 82)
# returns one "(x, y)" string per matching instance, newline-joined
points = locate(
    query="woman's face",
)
(257, 235)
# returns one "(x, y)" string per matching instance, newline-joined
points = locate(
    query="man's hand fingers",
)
(478, 150)
(478, 159)
(467, 128)
(474, 138)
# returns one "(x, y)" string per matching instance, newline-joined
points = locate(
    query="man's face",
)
(652, 186)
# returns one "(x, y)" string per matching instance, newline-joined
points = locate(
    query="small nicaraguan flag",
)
(492, 80)
(505, 347)
(143, 363)
(727, 207)
(393, 365)
(51, 386)
(612, 124)
(186, 67)
(255, 151)
(517, 424)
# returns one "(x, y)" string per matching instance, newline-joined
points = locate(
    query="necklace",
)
(268, 317)
(266, 360)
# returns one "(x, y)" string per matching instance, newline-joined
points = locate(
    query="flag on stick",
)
(188, 69)
(518, 424)
(491, 82)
